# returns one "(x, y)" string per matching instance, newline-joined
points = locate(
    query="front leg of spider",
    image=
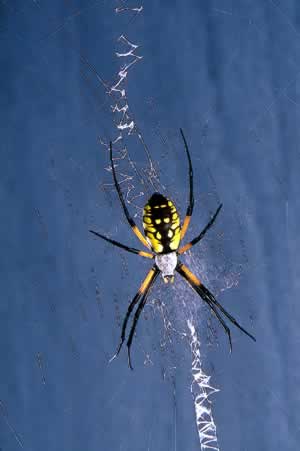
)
(209, 298)
(135, 320)
(219, 317)
(140, 296)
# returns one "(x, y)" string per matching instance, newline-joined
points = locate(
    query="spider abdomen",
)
(161, 224)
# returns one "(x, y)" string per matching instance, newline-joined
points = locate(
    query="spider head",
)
(168, 279)
(167, 263)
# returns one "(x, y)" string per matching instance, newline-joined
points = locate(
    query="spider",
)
(163, 234)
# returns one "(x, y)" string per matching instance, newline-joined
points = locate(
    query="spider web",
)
(202, 390)
(126, 125)
(125, 128)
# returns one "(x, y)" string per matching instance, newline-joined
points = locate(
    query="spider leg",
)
(190, 207)
(131, 222)
(135, 320)
(123, 246)
(187, 246)
(141, 292)
(137, 315)
(208, 297)
(219, 317)
(225, 313)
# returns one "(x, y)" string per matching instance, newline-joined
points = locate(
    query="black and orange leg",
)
(190, 207)
(209, 298)
(142, 293)
(137, 315)
(131, 222)
(123, 246)
(219, 317)
(225, 313)
(187, 246)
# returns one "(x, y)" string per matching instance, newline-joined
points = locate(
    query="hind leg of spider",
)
(207, 296)
(137, 315)
(142, 290)
(190, 207)
(130, 220)
(123, 246)
(187, 246)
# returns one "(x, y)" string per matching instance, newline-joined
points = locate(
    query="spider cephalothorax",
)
(164, 233)
(167, 264)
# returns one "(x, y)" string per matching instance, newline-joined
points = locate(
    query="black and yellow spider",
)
(164, 233)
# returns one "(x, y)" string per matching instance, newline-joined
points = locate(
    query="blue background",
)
(227, 72)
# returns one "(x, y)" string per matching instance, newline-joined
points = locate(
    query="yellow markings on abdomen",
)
(161, 224)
